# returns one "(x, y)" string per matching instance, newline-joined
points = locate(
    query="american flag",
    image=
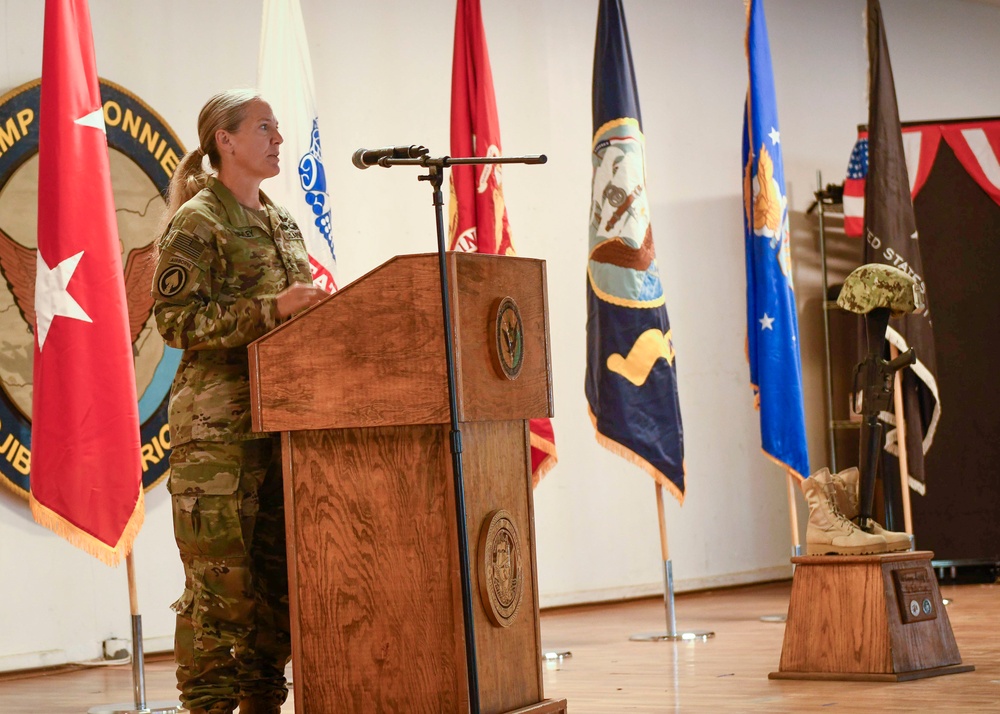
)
(854, 189)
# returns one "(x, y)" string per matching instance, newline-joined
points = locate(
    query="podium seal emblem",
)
(501, 568)
(508, 332)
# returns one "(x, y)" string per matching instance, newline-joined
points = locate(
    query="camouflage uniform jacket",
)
(219, 271)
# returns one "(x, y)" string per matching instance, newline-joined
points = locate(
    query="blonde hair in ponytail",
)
(226, 110)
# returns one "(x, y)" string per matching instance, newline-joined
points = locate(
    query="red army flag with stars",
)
(86, 475)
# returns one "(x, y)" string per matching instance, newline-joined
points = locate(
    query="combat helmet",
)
(879, 285)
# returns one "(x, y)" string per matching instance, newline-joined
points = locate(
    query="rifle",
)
(873, 384)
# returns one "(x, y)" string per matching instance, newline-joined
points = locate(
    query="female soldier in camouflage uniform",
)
(231, 266)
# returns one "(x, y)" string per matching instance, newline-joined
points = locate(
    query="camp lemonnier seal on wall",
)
(143, 152)
(501, 568)
(508, 332)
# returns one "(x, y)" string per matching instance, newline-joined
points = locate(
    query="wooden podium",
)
(358, 387)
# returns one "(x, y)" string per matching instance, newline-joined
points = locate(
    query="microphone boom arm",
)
(445, 161)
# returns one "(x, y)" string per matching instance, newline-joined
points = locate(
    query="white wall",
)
(383, 77)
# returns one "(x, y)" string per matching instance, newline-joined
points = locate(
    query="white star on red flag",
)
(52, 298)
(94, 119)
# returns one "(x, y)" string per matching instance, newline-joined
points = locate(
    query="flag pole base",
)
(129, 708)
(671, 635)
(693, 636)
(139, 705)
(555, 655)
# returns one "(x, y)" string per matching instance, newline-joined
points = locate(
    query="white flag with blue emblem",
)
(285, 80)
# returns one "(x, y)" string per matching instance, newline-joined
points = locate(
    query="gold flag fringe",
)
(783, 465)
(779, 462)
(548, 462)
(618, 449)
(83, 540)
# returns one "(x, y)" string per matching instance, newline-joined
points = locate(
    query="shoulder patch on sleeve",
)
(183, 260)
(187, 246)
(173, 279)
(197, 225)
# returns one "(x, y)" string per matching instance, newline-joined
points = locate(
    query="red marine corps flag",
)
(477, 214)
(86, 476)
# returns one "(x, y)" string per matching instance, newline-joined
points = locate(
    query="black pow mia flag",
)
(891, 238)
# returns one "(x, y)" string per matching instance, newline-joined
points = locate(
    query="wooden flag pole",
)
(668, 587)
(904, 466)
(793, 518)
(668, 575)
(138, 675)
(664, 549)
(793, 513)
(133, 593)
(668, 581)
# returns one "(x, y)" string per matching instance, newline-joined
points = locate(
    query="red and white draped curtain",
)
(976, 145)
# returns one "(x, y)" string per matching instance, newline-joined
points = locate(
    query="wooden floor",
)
(607, 673)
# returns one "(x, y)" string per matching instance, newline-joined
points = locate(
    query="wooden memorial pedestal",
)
(358, 387)
(867, 617)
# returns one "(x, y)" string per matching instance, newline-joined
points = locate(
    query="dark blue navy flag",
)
(772, 324)
(631, 382)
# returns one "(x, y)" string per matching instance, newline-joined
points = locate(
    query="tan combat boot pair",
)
(833, 501)
(846, 489)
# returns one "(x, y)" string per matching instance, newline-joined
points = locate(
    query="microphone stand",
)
(435, 177)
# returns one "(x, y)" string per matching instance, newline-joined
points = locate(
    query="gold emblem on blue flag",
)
(772, 322)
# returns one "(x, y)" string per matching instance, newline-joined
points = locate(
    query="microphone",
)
(363, 158)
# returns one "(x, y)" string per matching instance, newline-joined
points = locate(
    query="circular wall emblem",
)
(914, 608)
(501, 568)
(509, 338)
(143, 151)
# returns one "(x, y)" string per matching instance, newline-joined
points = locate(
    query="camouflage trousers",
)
(232, 637)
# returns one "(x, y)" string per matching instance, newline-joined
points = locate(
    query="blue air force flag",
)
(772, 325)
(285, 81)
(631, 382)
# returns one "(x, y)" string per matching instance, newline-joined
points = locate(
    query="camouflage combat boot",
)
(846, 488)
(829, 531)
